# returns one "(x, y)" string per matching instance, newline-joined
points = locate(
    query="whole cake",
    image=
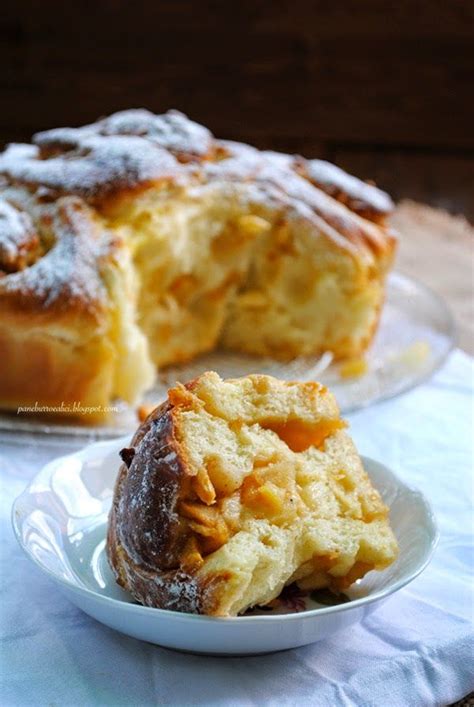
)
(233, 489)
(141, 240)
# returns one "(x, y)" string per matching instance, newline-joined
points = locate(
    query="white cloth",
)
(416, 649)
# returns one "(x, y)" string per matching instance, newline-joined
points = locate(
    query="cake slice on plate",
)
(233, 489)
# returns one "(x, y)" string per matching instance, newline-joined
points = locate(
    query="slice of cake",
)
(233, 489)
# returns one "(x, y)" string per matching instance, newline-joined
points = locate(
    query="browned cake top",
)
(52, 191)
(172, 131)
(135, 148)
(54, 268)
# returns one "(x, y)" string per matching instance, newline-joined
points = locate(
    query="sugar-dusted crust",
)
(53, 303)
(365, 199)
(60, 329)
(56, 276)
(172, 131)
(19, 241)
(125, 151)
(347, 210)
(146, 536)
(134, 149)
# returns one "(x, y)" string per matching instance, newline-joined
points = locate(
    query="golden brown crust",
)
(146, 536)
(364, 199)
(108, 161)
(54, 310)
(62, 277)
(134, 149)
(59, 325)
(126, 151)
(172, 131)
(151, 523)
(342, 205)
(53, 377)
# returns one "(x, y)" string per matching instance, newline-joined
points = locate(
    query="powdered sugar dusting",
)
(133, 147)
(148, 502)
(136, 148)
(123, 151)
(334, 180)
(94, 167)
(182, 591)
(67, 275)
(19, 241)
(275, 171)
(172, 131)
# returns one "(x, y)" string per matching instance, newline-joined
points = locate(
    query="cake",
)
(233, 489)
(141, 241)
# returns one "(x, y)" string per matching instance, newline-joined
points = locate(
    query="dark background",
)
(385, 89)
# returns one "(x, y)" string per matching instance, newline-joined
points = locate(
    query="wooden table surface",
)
(437, 249)
(385, 92)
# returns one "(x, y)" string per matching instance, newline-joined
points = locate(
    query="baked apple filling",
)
(299, 436)
(266, 469)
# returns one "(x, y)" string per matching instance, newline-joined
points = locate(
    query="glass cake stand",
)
(415, 336)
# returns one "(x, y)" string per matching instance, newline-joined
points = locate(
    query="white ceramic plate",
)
(60, 521)
(415, 335)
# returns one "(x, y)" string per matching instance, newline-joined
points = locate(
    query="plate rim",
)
(132, 608)
(53, 433)
(452, 339)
